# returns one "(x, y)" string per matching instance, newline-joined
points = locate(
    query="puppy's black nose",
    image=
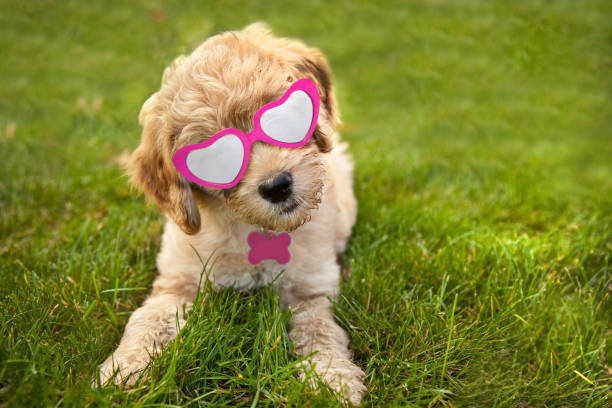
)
(279, 189)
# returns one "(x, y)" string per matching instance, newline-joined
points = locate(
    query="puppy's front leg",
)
(315, 330)
(148, 330)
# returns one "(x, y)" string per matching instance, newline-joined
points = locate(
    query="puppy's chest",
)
(245, 264)
(247, 276)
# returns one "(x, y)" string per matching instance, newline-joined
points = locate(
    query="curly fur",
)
(222, 84)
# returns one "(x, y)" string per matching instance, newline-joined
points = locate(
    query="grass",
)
(480, 261)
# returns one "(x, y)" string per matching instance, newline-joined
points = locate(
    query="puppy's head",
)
(221, 85)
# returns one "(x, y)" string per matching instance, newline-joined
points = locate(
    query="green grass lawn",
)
(480, 261)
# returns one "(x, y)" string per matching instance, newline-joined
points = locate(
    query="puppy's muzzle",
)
(277, 190)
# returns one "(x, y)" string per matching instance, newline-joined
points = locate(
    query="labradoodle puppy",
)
(305, 191)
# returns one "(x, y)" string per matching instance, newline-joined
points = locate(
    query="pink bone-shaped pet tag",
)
(269, 246)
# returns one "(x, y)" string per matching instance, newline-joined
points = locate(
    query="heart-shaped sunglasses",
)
(220, 162)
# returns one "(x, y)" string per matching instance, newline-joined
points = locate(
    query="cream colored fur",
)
(221, 85)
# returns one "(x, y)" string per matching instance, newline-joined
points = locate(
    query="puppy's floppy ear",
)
(152, 170)
(314, 65)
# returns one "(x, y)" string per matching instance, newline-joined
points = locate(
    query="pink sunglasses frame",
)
(257, 134)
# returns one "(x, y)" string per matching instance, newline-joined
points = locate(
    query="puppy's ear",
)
(151, 170)
(314, 66)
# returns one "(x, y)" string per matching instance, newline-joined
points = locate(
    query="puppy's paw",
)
(122, 368)
(343, 376)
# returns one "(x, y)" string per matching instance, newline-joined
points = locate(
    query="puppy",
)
(221, 85)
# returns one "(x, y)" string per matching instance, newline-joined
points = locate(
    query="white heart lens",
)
(289, 122)
(218, 163)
